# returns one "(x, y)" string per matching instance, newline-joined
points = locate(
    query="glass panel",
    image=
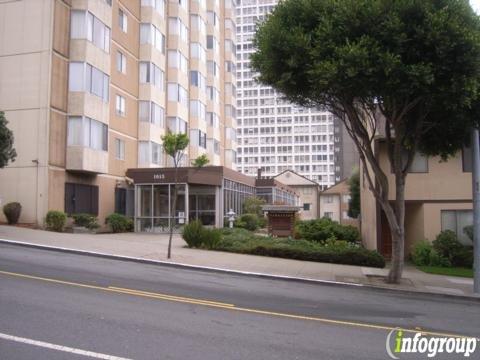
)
(75, 134)
(144, 225)
(464, 219)
(160, 200)
(161, 225)
(144, 207)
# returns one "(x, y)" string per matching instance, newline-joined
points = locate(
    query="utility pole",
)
(476, 209)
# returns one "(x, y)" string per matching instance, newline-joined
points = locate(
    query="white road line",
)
(60, 347)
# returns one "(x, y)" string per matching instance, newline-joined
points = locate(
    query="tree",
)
(253, 205)
(406, 68)
(201, 161)
(174, 146)
(354, 202)
(7, 152)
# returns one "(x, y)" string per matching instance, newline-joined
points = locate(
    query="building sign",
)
(158, 176)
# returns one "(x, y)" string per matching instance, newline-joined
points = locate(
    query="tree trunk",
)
(172, 218)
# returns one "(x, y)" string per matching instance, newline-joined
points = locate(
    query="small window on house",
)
(121, 63)
(306, 207)
(120, 105)
(119, 149)
(328, 215)
(122, 20)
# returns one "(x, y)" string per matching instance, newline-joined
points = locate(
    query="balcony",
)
(84, 159)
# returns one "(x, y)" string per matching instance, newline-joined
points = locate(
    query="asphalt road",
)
(73, 303)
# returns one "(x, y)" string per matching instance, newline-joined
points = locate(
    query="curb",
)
(234, 272)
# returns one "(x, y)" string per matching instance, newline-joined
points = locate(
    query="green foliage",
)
(463, 257)
(198, 236)
(192, 233)
(86, 220)
(211, 238)
(438, 260)
(262, 222)
(247, 221)
(354, 187)
(201, 161)
(468, 230)
(446, 244)
(253, 205)
(244, 242)
(55, 220)
(12, 212)
(7, 152)
(456, 271)
(119, 223)
(321, 230)
(174, 144)
(421, 253)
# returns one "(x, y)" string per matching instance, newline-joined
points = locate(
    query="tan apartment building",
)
(438, 197)
(307, 190)
(90, 86)
(334, 204)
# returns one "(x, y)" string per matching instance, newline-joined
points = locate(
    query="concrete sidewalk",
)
(154, 247)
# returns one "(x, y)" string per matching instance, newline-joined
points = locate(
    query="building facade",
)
(90, 86)
(334, 204)
(274, 135)
(438, 196)
(307, 190)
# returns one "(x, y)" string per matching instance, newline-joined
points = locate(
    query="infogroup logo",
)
(398, 343)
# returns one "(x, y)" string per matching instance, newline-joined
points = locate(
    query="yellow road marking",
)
(229, 306)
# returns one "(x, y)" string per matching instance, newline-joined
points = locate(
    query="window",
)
(81, 199)
(148, 111)
(177, 125)
(197, 79)
(84, 25)
(213, 94)
(85, 77)
(212, 19)
(197, 109)
(198, 138)
(149, 152)
(151, 74)
(197, 51)
(177, 60)
(456, 221)
(213, 68)
(328, 214)
(328, 199)
(149, 34)
(158, 5)
(307, 190)
(419, 163)
(177, 27)
(120, 105)
(213, 120)
(121, 62)
(86, 132)
(177, 93)
(122, 20)
(306, 207)
(119, 149)
(212, 43)
(346, 199)
(198, 24)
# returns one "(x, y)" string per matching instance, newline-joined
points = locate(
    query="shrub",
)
(463, 257)
(119, 223)
(421, 253)
(211, 238)
(12, 212)
(322, 229)
(247, 221)
(192, 233)
(262, 222)
(86, 220)
(242, 241)
(438, 260)
(55, 220)
(446, 244)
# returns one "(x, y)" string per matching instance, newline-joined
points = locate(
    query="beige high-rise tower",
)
(90, 86)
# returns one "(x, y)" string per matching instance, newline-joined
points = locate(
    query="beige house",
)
(307, 190)
(90, 86)
(334, 204)
(438, 197)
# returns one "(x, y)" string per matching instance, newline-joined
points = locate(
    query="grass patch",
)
(455, 271)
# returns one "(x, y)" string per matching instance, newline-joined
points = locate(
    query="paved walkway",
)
(154, 247)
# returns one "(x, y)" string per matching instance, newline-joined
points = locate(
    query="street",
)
(75, 304)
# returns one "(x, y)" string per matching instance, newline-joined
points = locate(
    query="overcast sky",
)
(475, 5)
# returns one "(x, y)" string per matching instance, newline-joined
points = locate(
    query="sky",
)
(475, 5)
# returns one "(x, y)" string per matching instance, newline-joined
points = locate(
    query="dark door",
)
(385, 237)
